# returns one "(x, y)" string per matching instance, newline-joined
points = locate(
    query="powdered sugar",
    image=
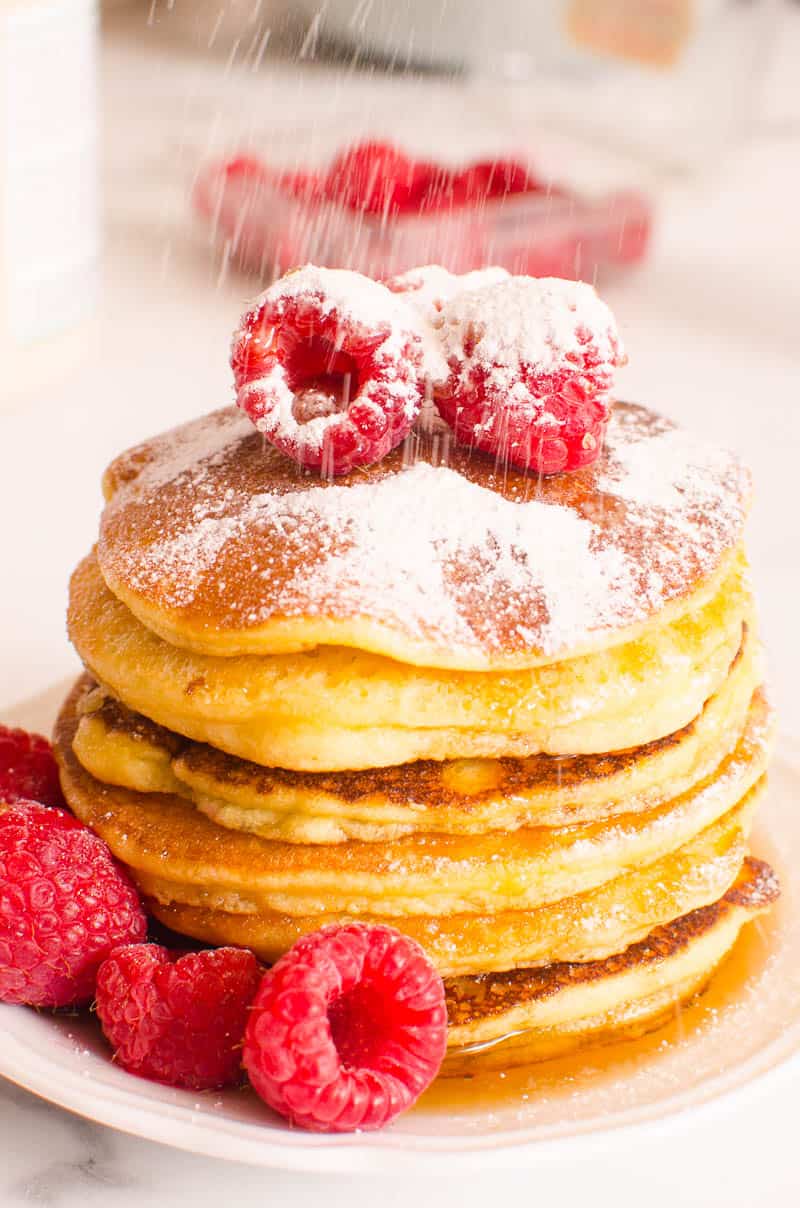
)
(180, 450)
(532, 321)
(679, 473)
(430, 286)
(700, 491)
(452, 555)
(352, 296)
(426, 290)
(532, 549)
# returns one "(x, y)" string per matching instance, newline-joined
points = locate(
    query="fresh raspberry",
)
(532, 364)
(28, 770)
(305, 186)
(428, 182)
(64, 904)
(245, 167)
(328, 365)
(347, 1030)
(373, 177)
(432, 189)
(174, 1018)
(490, 179)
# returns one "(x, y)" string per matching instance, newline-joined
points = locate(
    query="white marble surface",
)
(711, 327)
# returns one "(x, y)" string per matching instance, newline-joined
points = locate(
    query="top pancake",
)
(434, 557)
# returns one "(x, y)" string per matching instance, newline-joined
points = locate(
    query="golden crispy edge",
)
(756, 888)
(420, 782)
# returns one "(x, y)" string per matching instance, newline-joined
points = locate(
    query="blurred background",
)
(161, 160)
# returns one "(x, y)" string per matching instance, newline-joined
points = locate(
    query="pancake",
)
(585, 927)
(176, 853)
(338, 709)
(223, 546)
(505, 1019)
(463, 796)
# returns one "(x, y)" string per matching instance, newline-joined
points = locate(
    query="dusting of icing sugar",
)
(680, 471)
(533, 549)
(423, 547)
(430, 286)
(182, 449)
(375, 527)
(426, 289)
(349, 294)
(534, 321)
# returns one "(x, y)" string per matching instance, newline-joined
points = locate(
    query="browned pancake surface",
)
(419, 782)
(458, 564)
(484, 995)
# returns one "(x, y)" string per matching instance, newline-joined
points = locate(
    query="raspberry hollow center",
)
(323, 378)
(361, 1027)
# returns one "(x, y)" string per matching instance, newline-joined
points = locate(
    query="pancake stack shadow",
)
(520, 720)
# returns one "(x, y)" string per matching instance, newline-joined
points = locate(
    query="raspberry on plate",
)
(329, 366)
(28, 770)
(347, 1030)
(64, 904)
(175, 1018)
(532, 365)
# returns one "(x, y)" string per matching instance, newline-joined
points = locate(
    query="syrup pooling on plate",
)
(698, 1044)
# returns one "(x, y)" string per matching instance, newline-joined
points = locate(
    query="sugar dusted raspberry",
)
(373, 177)
(430, 286)
(347, 1030)
(532, 365)
(426, 290)
(329, 366)
(64, 904)
(177, 1019)
(28, 770)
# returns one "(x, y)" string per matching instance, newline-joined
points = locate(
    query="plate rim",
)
(179, 1127)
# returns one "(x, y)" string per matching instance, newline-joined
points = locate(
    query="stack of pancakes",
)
(519, 719)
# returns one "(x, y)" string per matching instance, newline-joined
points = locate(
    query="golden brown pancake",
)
(503, 1019)
(339, 709)
(466, 796)
(221, 545)
(176, 853)
(587, 926)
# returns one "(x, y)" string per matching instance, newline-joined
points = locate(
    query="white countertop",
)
(711, 329)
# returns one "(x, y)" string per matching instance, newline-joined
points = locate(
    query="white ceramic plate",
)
(734, 1043)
